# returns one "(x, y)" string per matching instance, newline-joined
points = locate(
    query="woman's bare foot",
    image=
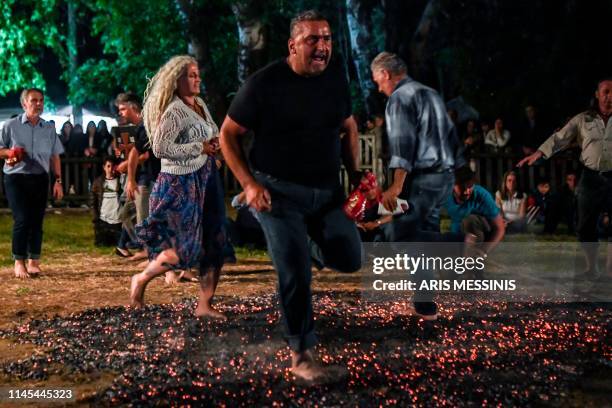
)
(204, 310)
(139, 255)
(34, 267)
(172, 277)
(143, 264)
(304, 366)
(137, 288)
(20, 270)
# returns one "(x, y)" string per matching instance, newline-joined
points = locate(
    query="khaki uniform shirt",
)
(591, 134)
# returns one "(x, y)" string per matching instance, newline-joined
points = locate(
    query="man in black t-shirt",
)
(296, 108)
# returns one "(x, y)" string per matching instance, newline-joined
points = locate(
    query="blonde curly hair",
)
(161, 89)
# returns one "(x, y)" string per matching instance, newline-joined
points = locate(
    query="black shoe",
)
(426, 310)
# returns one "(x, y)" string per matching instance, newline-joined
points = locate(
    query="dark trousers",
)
(297, 213)
(27, 196)
(594, 197)
(426, 193)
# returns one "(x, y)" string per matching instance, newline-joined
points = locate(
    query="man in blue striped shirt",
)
(30, 148)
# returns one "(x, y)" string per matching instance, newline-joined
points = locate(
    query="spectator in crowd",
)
(497, 139)
(567, 202)
(471, 138)
(106, 204)
(77, 143)
(513, 203)
(472, 210)
(106, 139)
(92, 145)
(542, 206)
(485, 127)
(532, 131)
(65, 134)
(30, 148)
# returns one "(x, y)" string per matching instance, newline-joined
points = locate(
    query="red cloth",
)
(15, 155)
(357, 202)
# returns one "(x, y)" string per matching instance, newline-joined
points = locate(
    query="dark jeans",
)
(298, 212)
(27, 196)
(426, 194)
(594, 197)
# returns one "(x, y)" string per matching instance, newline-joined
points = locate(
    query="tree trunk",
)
(420, 57)
(358, 15)
(197, 21)
(71, 46)
(252, 37)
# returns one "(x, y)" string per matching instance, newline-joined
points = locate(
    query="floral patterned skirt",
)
(176, 207)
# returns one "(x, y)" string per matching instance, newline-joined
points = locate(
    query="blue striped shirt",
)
(421, 134)
(40, 143)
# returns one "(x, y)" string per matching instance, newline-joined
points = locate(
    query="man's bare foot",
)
(204, 310)
(137, 288)
(139, 255)
(34, 267)
(304, 366)
(20, 270)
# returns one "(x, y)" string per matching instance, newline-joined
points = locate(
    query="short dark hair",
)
(129, 98)
(308, 15)
(27, 91)
(111, 159)
(464, 175)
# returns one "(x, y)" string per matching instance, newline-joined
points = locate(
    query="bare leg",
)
(20, 269)
(304, 366)
(208, 285)
(153, 269)
(140, 255)
(34, 267)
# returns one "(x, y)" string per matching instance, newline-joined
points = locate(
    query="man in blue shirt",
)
(29, 147)
(472, 210)
(424, 150)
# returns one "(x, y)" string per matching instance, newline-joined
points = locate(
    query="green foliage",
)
(21, 43)
(136, 40)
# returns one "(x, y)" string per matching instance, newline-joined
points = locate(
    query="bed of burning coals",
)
(477, 352)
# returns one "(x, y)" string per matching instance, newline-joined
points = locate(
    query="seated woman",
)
(512, 203)
(496, 140)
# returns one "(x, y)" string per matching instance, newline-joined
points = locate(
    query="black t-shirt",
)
(296, 121)
(152, 166)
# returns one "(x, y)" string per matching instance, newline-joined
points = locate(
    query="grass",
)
(73, 233)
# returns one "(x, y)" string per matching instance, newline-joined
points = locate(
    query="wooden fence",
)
(78, 173)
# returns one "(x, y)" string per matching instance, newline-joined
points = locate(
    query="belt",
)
(606, 174)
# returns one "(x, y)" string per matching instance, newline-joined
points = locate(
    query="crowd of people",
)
(164, 192)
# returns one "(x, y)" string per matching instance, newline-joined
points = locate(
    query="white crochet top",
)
(178, 139)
